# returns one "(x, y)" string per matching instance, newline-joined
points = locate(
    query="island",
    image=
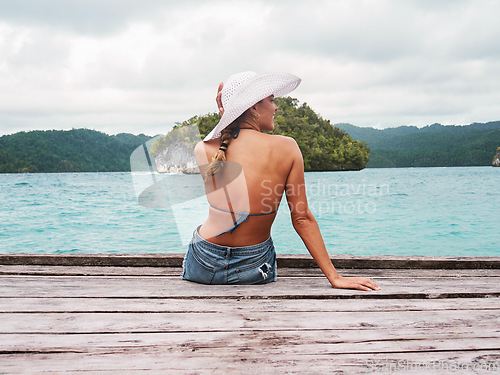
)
(324, 147)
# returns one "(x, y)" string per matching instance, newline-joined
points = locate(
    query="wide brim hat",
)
(243, 90)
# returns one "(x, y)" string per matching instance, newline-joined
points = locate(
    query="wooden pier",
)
(132, 314)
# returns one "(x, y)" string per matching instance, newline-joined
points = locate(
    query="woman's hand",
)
(361, 283)
(218, 98)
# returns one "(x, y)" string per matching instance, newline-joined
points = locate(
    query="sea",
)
(393, 211)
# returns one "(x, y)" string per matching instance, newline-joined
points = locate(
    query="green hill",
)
(77, 150)
(431, 146)
(325, 147)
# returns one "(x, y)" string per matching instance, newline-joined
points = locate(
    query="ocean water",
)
(404, 211)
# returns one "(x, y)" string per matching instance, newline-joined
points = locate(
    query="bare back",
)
(266, 163)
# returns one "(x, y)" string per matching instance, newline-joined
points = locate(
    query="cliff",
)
(496, 159)
(176, 158)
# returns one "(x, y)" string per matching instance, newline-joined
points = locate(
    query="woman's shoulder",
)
(203, 146)
(199, 148)
(284, 143)
(203, 151)
(283, 140)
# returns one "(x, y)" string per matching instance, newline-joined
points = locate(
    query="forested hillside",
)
(77, 150)
(325, 147)
(431, 146)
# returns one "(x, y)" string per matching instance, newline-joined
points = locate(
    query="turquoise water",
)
(407, 211)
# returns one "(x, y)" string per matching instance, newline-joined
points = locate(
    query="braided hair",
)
(216, 164)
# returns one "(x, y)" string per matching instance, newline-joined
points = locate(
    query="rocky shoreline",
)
(496, 159)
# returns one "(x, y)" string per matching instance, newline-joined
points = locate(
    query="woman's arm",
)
(307, 228)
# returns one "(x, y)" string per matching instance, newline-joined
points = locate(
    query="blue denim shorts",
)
(209, 263)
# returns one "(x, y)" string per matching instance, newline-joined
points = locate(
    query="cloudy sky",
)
(139, 66)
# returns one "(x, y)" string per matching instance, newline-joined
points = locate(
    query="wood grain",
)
(127, 319)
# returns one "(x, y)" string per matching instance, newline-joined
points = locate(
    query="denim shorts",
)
(209, 263)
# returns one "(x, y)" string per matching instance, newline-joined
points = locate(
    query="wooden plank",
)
(90, 271)
(284, 260)
(390, 261)
(264, 347)
(231, 306)
(164, 363)
(208, 322)
(113, 260)
(291, 287)
(291, 341)
(391, 273)
(192, 361)
(283, 272)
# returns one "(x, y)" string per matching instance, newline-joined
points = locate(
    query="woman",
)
(246, 172)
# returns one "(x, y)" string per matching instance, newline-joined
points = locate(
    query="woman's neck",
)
(248, 125)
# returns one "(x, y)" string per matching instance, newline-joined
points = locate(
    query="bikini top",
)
(242, 216)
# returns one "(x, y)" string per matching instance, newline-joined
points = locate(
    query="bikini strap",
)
(243, 212)
(235, 132)
(242, 216)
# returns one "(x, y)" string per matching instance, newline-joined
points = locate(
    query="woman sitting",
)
(246, 173)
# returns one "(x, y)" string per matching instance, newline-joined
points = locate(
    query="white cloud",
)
(95, 17)
(141, 66)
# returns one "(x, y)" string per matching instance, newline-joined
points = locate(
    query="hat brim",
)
(250, 92)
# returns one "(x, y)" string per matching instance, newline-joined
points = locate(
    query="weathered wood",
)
(283, 271)
(92, 271)
(192, 362)
(289, 341)
(129, 319)
(284, 260)
(391, 261)
(242, 321)
(103, 260)
(290, 287)
(233, 306)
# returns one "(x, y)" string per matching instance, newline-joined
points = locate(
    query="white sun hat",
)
(243, 90)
